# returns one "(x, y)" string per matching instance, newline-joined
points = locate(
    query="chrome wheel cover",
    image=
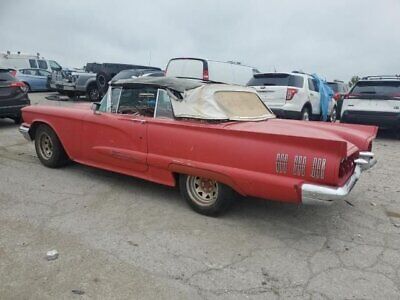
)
(45, 146)
(202, 191)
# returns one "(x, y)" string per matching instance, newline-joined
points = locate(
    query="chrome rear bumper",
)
(321, 194)
(24, 130)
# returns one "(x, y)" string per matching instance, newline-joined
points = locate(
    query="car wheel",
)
(93, 93)
(102, 80)
(333, 116)
(305, 114)
(205, 196)
(48, 147)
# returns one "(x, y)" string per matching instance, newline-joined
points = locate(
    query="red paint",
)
(239, 154)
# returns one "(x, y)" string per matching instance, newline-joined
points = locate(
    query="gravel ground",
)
(121, 237)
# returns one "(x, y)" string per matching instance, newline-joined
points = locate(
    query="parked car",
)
(27, 61)
(209, 70)
(93, 80)
(106, 71)
(13, 96)
(340, 89)
(34, 79)
(76, 83)
(292, 95)
(195, 135)
(135, 73)
(374, 100)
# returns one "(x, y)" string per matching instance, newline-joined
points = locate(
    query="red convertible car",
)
(214, 140)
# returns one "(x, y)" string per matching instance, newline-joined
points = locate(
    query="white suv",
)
(374, 100)
(291, 95)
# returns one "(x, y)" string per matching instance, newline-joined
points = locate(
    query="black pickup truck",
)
(106, 71)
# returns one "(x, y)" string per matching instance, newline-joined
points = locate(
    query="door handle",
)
(139, 121)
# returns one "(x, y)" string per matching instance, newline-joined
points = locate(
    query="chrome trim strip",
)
(24, 130)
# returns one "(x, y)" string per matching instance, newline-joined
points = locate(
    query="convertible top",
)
(176, 84)
(221, 102)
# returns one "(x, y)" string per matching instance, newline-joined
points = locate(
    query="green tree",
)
(353, 80)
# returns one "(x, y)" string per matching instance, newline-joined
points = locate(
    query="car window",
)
(276, 79)
(6, 76)
(28, 72)
(42, 64)
(33, 63)
(43, 73)
(312, 85)
(377, 89)
(138, 100)
(334, 86)
(163, 105)
(54, 65)
(109, 103)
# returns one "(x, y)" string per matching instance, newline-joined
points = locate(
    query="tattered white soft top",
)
(221, 102)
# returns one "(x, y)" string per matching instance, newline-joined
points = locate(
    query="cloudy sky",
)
(336, 39)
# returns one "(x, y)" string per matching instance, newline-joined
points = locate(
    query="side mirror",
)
(95, 107)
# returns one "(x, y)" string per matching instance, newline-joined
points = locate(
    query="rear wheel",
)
(333, 116)
(305, 114)
(48, 147)
(205, 196)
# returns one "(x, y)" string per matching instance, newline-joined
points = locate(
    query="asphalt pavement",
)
(124, 238)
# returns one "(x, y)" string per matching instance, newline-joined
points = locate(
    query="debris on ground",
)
(393, 214)
(52, 255)
(372, 203)
(349, 203)
(78, 292)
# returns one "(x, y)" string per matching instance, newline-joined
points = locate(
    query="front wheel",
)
(93, 93)
(48, 147)
(205, 196)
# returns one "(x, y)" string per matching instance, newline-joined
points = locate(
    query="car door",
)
(43, 79)
(31, 77)
(115, 141)
(314, 96)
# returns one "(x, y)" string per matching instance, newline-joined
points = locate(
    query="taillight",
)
(346, 166)
(336, 96)
(19, 84)
(290, 93)
(205, 74)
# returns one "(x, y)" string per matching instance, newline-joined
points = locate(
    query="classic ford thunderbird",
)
(213, 140)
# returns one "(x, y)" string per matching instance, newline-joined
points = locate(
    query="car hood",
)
(356, 137)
